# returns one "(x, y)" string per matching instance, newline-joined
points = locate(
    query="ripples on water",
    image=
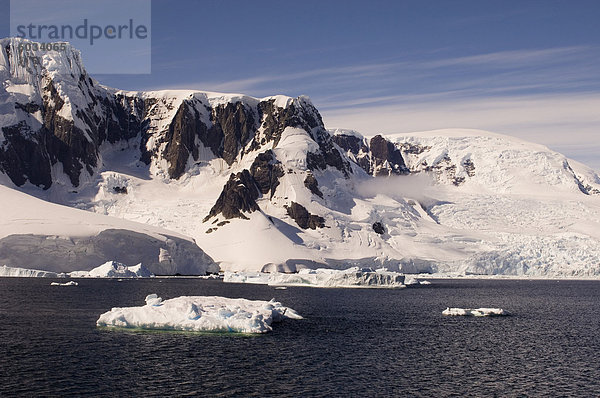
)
(352, 342)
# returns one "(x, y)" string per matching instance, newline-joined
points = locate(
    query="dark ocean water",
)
(352, 342)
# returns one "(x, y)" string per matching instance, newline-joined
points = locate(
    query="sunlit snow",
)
(200, 313)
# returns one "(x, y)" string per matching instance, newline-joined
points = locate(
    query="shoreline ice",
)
(16, 272)
(322, 277)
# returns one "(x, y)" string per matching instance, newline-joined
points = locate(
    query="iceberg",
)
(411, 280)
(114, 269)
(474, 312)
(26, 273)
(199, 314)
(323, 277)
(70, 283)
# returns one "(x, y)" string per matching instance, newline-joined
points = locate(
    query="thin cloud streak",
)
(541, 62)
(502, 58)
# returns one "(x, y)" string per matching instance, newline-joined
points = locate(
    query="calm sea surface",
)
(352, 342)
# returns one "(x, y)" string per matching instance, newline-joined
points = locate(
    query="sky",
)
(523, 68)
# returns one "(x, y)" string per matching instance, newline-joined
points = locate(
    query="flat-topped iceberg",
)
(474, 312)
(114, 269)
(27, 273)
(199, 313)
(322, 277)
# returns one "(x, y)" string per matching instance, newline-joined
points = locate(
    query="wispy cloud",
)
(512, 58)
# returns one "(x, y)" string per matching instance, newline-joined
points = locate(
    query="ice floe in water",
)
(322, 277)
(70, 283)
(114, 269)
(199, 313)
(475, 312)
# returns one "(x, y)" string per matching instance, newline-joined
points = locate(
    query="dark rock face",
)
(266, 171)
(312, 184)
(33, 153)
(350, 143)
(181, 139)
(24, 157)
(379, 228)
(303, 218)
(239, 195)
(379, 158)
(356, 148)
(234, 124)
(120, 190)
(386, 158)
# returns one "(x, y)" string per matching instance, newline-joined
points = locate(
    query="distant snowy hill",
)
(261, 184)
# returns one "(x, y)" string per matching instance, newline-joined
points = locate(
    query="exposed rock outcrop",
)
(386, 159)
(377, 156)
(312, 184)
(238, 197)
(303, 218)
(378, 228)
(266, 171)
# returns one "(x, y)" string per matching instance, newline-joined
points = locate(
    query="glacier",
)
(35, 233)
(349, 278)
(199, 314)
(6, 271)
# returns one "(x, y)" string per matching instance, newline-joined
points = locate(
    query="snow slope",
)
(520, 210)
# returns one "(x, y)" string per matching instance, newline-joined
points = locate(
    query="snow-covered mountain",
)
(260, 184)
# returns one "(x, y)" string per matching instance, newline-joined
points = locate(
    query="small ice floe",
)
(412, 281)
(475, 312)
(71, 283)
(211, 277)
(199, 313)
(280, 288)
(153, 299)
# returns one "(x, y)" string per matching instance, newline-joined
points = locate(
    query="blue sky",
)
(525, 68)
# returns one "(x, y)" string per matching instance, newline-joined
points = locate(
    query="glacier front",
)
(323, 277)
